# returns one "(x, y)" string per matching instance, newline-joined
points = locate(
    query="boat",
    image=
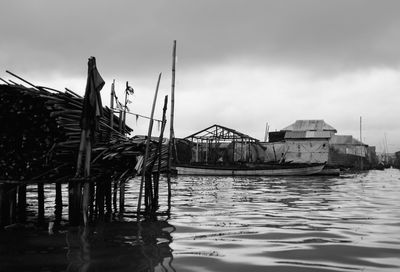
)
(221, 151)
(261, 170)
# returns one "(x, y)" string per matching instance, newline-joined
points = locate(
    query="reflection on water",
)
(116, 246)
(349, 223)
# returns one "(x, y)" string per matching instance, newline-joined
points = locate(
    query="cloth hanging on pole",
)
(92, 106)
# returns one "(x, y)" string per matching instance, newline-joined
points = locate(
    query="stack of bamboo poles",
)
(41, 134)
(39, 144)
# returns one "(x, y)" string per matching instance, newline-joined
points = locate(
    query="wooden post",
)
(86, 186)
(120, 122)
(40, 189)
(115, 192)
(58, 204)
(125, 107)
(107, 192)
(171, 132)
(112, 108)
(21, 203)
(4, 206)
(74, 199)
(156, 176)
(122, 196)
(146, 153)
(13, 203)
(100, 197)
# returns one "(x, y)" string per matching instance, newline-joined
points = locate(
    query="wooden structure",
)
(40, 145)
(208, 141)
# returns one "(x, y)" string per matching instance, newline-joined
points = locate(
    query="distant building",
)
(310, 141)
(346, 152)
(305, 141)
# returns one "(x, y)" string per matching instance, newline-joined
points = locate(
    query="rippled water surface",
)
(347, 223)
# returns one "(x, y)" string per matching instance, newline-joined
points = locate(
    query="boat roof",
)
(218, 132)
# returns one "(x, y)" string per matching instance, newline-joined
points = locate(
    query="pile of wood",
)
(40, 136)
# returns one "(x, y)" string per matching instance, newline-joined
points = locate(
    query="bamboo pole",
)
(22, 203)
(58, 204)
(4, 81)
(107, 192)
(40, 189)
(112, 108)
(13, 204)
(171, 132)
(156, 178)
(146, 154)
(86, 187)
(125, 107)
(4, 205)
(122, 195)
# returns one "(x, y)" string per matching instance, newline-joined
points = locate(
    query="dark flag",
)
(92, 106)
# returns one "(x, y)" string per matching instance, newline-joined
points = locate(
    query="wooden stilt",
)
(86, 186)
(146, 153)
(107, 192)
(122, 196)
(92, 194)
(148, 193)
(40, 189)
(13, 204)
(58, 204)
(74, 199)
(21, 206)
(4, 206)
(156, 176)
(115, 195)
(100, 198)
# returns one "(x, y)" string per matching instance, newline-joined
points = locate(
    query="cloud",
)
(240, 63)
(133, 37)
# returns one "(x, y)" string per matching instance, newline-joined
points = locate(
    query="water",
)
(348, 223)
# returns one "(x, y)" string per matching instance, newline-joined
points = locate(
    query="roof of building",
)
(308, 134)
(218, 132)
(310, 125)
(344, 140)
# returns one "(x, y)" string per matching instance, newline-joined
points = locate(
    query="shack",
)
(305, 141)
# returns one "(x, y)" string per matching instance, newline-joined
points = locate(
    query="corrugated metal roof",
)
(307, 125)
(308, 134)
(344, 140)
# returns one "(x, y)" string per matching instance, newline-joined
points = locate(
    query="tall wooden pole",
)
(362, 146)
(112, 107)
(86, 187)
(159, 152)
(40, 189)
(125, 107)
(146, 153)
(171, 129)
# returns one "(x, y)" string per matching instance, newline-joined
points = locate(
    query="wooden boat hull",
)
(215, 171)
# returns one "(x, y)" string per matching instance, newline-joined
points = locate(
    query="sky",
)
(240, 64)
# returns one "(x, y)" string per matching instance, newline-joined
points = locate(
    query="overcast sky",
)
(240, 63)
